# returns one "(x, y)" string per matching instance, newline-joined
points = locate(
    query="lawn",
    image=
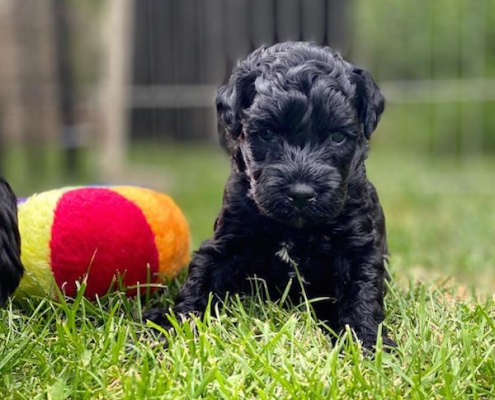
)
(441, 311)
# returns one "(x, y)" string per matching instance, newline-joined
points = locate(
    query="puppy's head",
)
(297, 121)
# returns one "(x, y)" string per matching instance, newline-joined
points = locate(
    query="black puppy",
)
(297, 205)
(11, 268)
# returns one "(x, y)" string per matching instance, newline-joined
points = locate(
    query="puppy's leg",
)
(360, 302)
(210, 271)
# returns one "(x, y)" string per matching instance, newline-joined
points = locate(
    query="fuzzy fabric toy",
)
(111, 237)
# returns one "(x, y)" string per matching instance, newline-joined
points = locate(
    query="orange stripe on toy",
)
(36, 216)
(168, 224)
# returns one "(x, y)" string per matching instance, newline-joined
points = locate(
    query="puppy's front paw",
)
(368, 339)
(369, 343)
(388, 344)
(158, 316)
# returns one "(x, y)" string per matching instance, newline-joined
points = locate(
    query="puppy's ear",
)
(370, 102)
(233, 98)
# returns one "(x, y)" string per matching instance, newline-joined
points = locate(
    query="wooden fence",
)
(184, 49)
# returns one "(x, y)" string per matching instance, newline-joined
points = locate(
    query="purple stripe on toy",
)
(21, 200)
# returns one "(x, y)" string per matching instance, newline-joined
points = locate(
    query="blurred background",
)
(122, 91)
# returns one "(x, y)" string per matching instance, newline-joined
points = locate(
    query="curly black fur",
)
(11, 268)
(297, 122)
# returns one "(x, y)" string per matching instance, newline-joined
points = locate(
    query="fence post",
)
(288, 21)
(70, 137)
(116, 88)
(35, 74)
(263, 22)
(338, 31)
(313, 20)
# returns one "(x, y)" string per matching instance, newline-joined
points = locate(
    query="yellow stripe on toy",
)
(35, 225)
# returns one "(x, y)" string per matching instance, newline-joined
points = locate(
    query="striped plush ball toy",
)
(112, 237)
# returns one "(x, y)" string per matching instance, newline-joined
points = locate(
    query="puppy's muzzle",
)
(300, 194)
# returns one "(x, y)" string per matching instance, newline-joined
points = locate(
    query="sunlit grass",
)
(255, 349)
(441, 224)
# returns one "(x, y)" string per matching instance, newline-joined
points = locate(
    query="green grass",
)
(441, 223)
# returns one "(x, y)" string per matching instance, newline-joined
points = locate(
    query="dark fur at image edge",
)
(11, 268)
(297, 121)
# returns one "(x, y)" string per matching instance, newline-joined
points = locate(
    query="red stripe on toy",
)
(98, 231)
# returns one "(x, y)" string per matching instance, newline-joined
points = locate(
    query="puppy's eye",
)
(337, 137)
(267, 135)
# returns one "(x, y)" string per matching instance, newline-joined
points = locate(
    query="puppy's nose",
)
(300, 194)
